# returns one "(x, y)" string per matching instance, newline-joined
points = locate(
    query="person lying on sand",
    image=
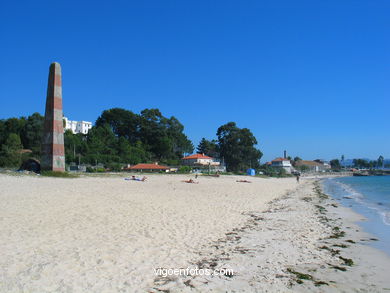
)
(137, 179)
(244, 181)
(190, 181)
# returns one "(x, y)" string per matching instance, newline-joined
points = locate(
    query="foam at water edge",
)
(359, 198)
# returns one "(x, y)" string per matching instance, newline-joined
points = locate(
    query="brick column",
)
(53, 152)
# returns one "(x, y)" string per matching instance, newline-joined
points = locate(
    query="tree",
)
(296, 159)
(209, 148)
(159, 137)
(102, 145)
(335, 164)
(380, 161)
(11, 125)
(236, 147)
(31, 133)
(119, 136)
(76, 147)
(163, 137)
(123, 123)
(10, 155)
(360, 163)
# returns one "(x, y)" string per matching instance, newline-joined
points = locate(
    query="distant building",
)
(78, 126)
(313, 166)
(199, 160)
(282, 163)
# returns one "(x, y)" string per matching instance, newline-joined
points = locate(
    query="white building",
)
(199, 160)
(78, 126)
(314, 166)
(283, 163)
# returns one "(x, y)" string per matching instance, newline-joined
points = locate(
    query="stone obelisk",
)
(53, 152)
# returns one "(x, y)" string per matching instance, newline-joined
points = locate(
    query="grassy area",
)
(58, 174)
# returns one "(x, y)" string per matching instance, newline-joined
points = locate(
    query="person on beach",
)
(297, 175)
(137, 179)
(243, 181)
(190, 181)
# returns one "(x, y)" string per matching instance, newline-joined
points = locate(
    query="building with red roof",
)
(148, 168)
(199, 160)
(282, 163)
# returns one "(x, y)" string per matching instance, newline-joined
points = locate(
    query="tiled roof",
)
(197, 156)
(308, 163)
(148, 167)
(280, 159)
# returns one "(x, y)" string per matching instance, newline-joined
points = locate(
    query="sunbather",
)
(244, 181)
(190, 181)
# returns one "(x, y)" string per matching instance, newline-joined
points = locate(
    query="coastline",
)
(97, 234)
(303, 242)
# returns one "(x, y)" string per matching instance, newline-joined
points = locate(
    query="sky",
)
(309, 77)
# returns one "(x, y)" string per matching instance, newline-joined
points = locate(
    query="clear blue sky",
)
(311, 77)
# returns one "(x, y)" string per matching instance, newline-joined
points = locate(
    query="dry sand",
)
(108, 235)
(96, 234)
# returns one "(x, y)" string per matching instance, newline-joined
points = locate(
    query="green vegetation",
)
(209, 148)
(10, 151)
(338, 268)
(317, 189)
(337, 233)
(332, 251)
(17, 134)
(274, 172)
(184, 169)
(347, 261)
(58, 174)
(320, 283)
(340, 245)
(321, 209)
(335, 165)
(122, 137)
(236, 147)
(365, 164)
(299, 275)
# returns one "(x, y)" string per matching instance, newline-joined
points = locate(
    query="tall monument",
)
(53, 152)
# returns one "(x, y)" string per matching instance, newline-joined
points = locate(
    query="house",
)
(312, 166)
(148, 168)
(282, 163)
(199, 160)
(78, 126)
(326, 165)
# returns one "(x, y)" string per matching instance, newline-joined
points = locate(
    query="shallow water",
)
(368, 196)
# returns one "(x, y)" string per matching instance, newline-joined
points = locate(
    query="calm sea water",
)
(369, 196)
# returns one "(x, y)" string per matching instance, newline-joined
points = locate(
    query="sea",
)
(368, 196)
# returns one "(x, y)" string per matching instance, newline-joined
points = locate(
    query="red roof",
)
(148, 167)
(280, 159)
(197, 156)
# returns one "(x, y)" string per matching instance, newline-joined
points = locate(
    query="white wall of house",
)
(280, 164)
(205, 162)
(285, 164)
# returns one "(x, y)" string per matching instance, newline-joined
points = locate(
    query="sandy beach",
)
(106, 234)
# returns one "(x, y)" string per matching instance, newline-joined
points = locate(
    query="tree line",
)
(123, 137)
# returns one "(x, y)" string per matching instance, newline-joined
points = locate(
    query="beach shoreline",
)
(110, 235)
(327, 252)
